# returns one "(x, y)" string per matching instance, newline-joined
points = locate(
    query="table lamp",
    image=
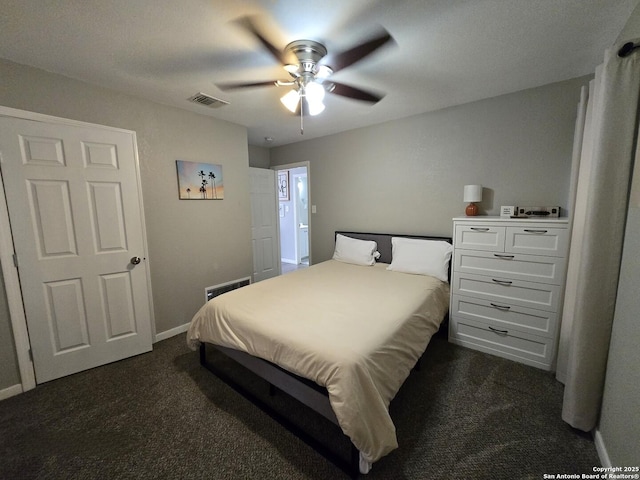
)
(472, 194)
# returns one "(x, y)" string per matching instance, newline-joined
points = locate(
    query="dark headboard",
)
(384, 241)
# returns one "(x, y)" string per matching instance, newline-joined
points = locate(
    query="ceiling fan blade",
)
(357, 53)
(235, 86)
(355, 93)
(249, 24)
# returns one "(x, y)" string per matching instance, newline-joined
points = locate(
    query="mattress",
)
(355, 330)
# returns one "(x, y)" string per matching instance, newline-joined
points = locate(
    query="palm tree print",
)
(214, 191)
(199, 181)
(203, 188)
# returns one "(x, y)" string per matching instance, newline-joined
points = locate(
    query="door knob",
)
(135, 260)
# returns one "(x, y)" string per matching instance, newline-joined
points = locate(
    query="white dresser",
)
(507, 286)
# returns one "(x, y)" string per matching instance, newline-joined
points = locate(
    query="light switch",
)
(313, 209)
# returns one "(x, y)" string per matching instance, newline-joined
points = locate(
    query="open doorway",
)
(293, 216)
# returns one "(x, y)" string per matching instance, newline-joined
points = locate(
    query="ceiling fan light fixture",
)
(323, 72)
(290, 100)
(310, 79)
(315, 108)
(314, 92)
(291, 68)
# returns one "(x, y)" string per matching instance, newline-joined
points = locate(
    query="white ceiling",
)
(446, 52)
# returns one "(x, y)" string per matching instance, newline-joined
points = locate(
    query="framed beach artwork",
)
(199, 181)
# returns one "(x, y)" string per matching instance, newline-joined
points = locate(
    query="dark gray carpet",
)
(463, 415)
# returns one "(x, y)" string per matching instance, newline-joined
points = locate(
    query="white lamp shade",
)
(315, 108)
(314, 92)
(473, 193)
(290, 100)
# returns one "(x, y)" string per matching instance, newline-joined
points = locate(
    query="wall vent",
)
(215, 290)
(208, 100)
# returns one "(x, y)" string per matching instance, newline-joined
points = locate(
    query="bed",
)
(340, 336)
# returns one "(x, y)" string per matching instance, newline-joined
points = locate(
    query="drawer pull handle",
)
(504, 257)
(478, 229)
(500, 307)
(503, 332)
(502, 282)
(528, 230)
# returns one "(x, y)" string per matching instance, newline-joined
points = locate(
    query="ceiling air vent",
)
(208, 100)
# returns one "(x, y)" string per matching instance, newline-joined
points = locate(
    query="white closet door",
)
(264, 224)
(77, 225)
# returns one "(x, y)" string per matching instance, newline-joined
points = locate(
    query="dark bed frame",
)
(307, 392)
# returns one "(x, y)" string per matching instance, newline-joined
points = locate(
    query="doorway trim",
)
(14, 296)
(289, 166)
(7, 252)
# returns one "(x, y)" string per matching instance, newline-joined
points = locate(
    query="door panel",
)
(117, 303)
(50, 209)
(107, 214)
(76, 220)
(67, 319)
(264, 224)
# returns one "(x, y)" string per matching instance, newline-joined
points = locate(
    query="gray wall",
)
(407, 176)
(620, 418)
(259, 157)
(192, 244)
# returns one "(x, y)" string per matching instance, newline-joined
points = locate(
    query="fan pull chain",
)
(301, 117)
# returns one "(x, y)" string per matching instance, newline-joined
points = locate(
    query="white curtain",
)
(580, 180)
(601, 198)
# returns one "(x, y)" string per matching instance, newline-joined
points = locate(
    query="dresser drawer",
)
(537, 240)
(505, 291)
(515, 345)
(480, 237)
(532, 268)
(504, 317)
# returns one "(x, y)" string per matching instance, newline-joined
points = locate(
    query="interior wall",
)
(619, 426)
(192, 244)
(407, 176)
(259, 157)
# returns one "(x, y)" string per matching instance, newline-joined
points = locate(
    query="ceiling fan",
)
(309, 75)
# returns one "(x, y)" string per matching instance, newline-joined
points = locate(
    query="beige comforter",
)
(356, 330)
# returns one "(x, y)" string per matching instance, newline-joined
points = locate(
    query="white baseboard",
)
(171, 333)
(601, 449)
(11, 391)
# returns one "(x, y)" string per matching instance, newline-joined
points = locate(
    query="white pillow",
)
(359, 252)
(421, 257)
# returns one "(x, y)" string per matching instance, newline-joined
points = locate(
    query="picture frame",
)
(199, 181)
(283, 185)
